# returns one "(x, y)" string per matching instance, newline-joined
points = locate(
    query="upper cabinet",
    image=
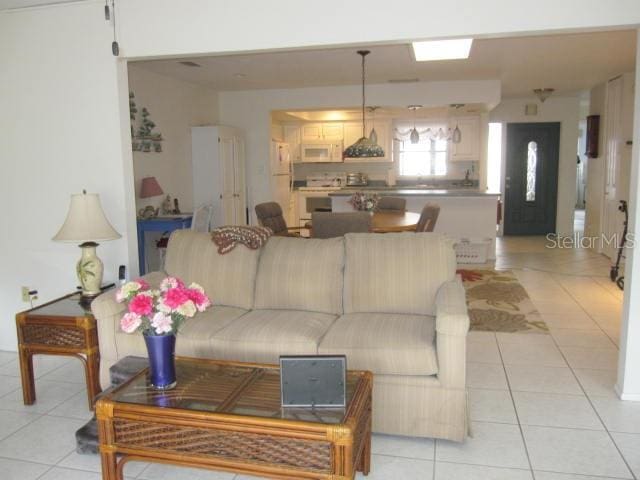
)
(469, 147)
(321, 131)
(353, 132)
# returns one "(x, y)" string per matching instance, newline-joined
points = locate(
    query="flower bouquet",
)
(364, 201)
(158, 314)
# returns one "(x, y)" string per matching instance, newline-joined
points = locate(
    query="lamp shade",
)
(85, 221)
(150, 188)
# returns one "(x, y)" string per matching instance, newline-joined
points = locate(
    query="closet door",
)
(227, 169)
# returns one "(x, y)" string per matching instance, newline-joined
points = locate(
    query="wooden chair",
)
(270, 215)
(428, 218)
(329, 224)
(392, 204)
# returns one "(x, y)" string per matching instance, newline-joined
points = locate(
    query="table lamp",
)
(150, 187)
(87, 224)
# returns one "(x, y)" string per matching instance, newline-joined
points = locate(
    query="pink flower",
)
(171, 282)
(199, 298)
(130, 322)
(141, 305)
(162, 323)
(143, 284)
(174, 297)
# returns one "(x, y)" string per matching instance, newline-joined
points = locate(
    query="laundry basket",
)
(472, 250)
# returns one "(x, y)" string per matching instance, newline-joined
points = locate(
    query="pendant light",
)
(414, 136)
(364, 147)
(373, 135)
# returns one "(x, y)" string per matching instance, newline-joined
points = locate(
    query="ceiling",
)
(569, 63)
(11, 4)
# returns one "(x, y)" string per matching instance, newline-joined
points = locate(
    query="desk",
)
(158, 224)
(385, 222)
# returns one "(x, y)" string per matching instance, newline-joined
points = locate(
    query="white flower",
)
(162, 323)
(188, 309)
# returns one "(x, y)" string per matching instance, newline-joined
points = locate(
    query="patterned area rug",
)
(497, 302)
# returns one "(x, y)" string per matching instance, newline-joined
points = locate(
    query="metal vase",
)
(162, 360)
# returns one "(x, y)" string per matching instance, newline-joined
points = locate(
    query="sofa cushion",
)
(386, 344)
(264, 335)
(194, 338)
(301, 274)
(396, 272)
(228, 279)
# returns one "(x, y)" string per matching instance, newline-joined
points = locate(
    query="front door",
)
(531, 180)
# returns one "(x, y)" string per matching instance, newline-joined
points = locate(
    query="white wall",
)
(60, 132)
(251, 111)
(554, 109)
(628, 384)
(167, 27)
(174, 106)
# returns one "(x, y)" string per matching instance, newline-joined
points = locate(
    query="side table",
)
(61, 327)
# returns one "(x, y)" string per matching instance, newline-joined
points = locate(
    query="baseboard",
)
(627, 397)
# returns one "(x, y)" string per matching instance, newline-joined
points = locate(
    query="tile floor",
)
(542, 406)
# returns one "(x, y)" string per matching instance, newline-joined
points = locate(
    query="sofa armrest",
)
(108, 313)
(452, 325)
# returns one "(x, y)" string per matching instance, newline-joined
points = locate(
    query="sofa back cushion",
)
(301, 274)
(396, 272)
(228, 279)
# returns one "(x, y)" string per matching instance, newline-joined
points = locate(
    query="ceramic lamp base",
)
(89, 270)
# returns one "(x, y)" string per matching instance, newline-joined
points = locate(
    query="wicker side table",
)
(61, 327)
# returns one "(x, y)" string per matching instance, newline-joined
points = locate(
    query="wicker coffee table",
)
(227, 416)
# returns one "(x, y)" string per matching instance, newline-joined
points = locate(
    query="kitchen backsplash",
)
(378, 171)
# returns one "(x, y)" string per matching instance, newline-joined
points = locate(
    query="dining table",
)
(390, 221)
(387, 222)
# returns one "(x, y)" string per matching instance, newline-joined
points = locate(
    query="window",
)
(426, 158)
(532, 163)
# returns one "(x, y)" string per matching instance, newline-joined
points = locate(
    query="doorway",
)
(531, 180)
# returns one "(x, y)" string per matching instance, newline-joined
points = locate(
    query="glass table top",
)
(210, 386)
(69, 306)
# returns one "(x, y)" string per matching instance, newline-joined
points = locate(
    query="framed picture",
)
(316, 381)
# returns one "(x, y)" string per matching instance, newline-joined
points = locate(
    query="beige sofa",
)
(390, 302)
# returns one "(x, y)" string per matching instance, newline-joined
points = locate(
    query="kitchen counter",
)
(418, 192)
(465, 213)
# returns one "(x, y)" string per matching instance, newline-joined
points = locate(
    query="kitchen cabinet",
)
(292, 137)
(469, 147)
(321, 131)
(219, 173)
(353, 132)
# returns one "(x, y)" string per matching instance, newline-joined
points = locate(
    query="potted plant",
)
(158, 314)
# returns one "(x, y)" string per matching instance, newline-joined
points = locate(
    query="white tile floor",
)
(542, 407)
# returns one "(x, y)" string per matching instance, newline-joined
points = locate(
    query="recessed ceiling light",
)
(190, 64)
(239, 75)
(442, 49)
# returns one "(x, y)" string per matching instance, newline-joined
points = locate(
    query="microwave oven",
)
(321, 152)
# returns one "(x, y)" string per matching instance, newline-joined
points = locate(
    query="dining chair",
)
(330, 224)
(392, 204)
(201, 221)
(270, 215)
(428, 218)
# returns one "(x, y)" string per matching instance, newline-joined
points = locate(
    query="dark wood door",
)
(531, 180)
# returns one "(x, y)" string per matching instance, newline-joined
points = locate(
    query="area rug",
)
(497, 302)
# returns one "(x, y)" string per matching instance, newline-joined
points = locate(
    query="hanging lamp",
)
(373, 135)
(414, 136)
(364, 147)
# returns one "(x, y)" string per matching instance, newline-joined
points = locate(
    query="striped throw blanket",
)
(228, 237)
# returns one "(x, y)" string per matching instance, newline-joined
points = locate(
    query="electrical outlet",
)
(26, 297)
